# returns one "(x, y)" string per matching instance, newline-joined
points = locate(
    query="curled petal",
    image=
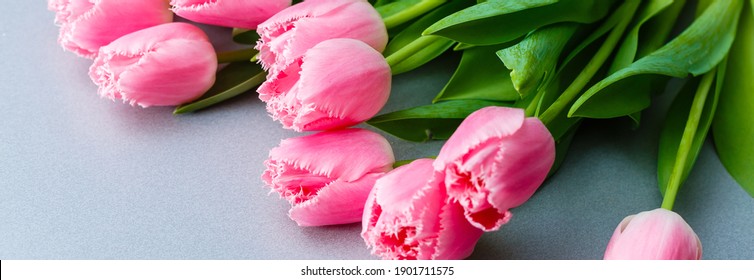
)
(357, 87)
(654, 235)
(495, 161)
(327, 176)
(87, 25)
(230, 13)
(286, 36)
(338, 202)
(165, 65)
(407, 216)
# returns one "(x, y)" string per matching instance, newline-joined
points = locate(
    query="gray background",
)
(83, 177)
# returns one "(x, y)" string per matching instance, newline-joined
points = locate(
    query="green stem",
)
(411, 12)
(212, 100)
(591, 68)
(692, 125)
(236, 56)
(410, 49)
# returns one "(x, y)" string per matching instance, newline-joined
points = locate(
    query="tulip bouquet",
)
(530, 72)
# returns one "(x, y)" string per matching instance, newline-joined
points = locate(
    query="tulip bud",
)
(286, 36)
(165, 65)
(87, 25)
(654, 235)
(230, 13)
(407, 216)
(495, 161)
(338, 83)
(327, 176)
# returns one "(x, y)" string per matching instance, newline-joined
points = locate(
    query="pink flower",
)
(286, 36)
(87, 25)
(165, 65)
(231, 13)
(407, 216)
(654, 235)
(495, 161)
(337, 83)
(327, 176)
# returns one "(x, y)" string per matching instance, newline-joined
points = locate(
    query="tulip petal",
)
(286, 36)
(358, 85)
(228, 13)
(654, 235)
(347, 154)
(457, 237)
(86, 25)
(338, 202)
(165, 65)
(485, 123)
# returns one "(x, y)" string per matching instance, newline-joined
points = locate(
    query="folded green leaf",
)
(401, 11)
(628, 50)
(231, 81)
(480, 75)
(676, 123)
(245, 36)
(696, 51)
(533, 59)
(423, 123)
(733, 128)
(499, 21)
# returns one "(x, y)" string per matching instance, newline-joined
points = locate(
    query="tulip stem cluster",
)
(407, 14)
(410, 49)
(591, 68)
(687, 140)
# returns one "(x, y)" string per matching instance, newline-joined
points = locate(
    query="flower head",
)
(495, 161)
(327, 176)
(407, 216)
(336, 84)
(654, 235)
(286, 36)
(230, 13)
(165, 65)
(87, 25)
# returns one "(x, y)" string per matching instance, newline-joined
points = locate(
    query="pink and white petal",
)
(457, 238)
(523, 164)
(337, 203)
(480, 126)
(358, 78)
(346, 154)
(398, 189)
(229, 13)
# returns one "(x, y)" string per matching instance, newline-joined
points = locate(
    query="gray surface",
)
(85, 178)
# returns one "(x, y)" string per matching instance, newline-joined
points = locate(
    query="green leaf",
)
(436, 45)
(561, 148)
(628, 50)
(480, 75)
(696, 51)
(733, 128)
(499, 21)
(231, 81)
(245, 36)
(675, 124)
(533, 59)
(423, 123)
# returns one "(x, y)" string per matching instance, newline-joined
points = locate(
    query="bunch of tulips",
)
(327, 65)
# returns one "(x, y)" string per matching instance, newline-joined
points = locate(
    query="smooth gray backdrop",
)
(83, 177)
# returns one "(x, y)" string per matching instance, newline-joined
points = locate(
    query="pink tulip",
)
(407, 216)
(285, 37)
(654, 235)
(231, 13)
(495, 161)
(338, 83)
(165, 65)
(87, 25)
(327, 176)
